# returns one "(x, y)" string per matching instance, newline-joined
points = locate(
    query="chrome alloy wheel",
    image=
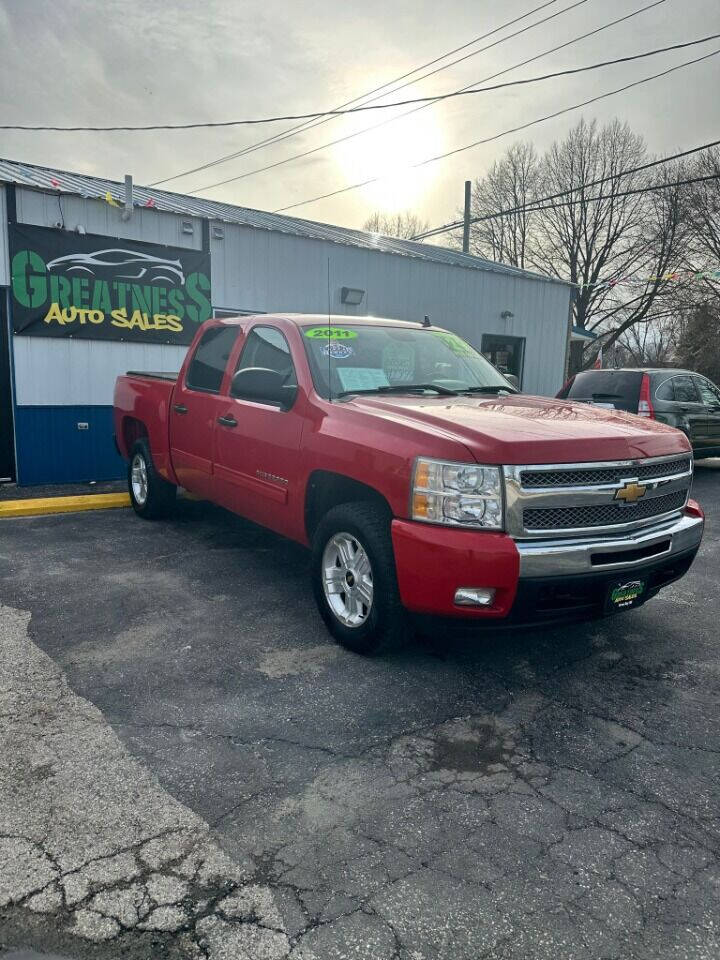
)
(139, 479)
(347, 579)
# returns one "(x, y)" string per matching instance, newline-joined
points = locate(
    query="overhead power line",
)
(503, 133)
(378, 93)
(510, 36)
(530, 207)
(650, 188)
(433, 98)
(475, 83)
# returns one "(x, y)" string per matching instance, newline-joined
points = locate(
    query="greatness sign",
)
(101, 288)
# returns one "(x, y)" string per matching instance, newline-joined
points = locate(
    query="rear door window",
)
(685, 391)
(665, 391)
(619, 388)
(210, 359)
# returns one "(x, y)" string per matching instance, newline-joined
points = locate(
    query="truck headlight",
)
(464, 494)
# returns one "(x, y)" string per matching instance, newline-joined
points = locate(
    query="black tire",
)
(385, 626)
(160, 495)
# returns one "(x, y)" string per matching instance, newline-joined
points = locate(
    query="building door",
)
(505, 353)
(7, 433)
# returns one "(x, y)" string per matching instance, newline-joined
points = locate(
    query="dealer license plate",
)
(625, 594)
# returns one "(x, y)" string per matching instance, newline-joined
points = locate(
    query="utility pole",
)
(466, 217)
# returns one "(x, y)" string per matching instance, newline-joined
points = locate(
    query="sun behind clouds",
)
(388, 152)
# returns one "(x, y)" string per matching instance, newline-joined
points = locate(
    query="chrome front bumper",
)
(553, 558)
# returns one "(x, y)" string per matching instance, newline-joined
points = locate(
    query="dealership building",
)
(98, 277)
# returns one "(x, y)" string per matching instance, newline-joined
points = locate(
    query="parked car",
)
(680, 398)
(421, 480)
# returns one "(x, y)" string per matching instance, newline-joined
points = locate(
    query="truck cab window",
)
(208, 364)
(265, 371)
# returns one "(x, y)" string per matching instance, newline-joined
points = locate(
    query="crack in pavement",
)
(92, 849)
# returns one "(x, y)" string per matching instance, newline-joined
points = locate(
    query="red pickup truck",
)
(420, 478)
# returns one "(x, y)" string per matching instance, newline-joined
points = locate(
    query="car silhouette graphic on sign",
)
(118, 264)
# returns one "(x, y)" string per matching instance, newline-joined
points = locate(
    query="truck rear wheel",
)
(354, 581)
(151, 496)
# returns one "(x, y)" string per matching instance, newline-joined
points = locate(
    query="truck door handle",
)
(227, 421)
(179, 408)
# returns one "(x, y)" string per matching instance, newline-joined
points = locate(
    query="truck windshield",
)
(369, 359)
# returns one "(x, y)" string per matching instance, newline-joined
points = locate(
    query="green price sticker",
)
(454, 343)
(330, 333)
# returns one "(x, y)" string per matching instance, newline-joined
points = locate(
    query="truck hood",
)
(526, 430)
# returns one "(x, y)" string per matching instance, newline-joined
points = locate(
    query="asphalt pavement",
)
(191, 768)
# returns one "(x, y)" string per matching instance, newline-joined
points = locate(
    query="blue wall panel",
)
(51, 448)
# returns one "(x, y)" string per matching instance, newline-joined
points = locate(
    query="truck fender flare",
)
(326, 489)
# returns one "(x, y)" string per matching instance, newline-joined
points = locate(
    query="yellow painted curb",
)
(45, 505)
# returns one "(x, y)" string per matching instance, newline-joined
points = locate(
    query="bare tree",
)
(704, 219)
(404, 225)
(510, 184)
(616, 242)
(705, 206)
(608, 247)
(647, 344)
(698, 342)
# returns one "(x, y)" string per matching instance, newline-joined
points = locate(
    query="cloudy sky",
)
(149, 61)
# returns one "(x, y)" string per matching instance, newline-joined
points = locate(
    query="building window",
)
(506, 353)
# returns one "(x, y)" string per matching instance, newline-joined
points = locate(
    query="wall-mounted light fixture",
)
(187, 226)
(507, 314)
(218, 232)
(351, 296)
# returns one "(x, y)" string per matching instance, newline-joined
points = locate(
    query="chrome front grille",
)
(563, 500)
(601, 515)
(567, 477)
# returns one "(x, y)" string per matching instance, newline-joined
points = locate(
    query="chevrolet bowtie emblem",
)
(630, 492)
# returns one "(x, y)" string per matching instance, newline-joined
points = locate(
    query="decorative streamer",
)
(109, 199)
(674, 275)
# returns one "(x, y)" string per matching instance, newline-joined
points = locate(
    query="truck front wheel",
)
(151, 495)
(354, 581)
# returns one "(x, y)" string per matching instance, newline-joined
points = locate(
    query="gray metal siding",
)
(272, 272)
(4, 247)
(267, 271)
(96, 216)
(82, 372)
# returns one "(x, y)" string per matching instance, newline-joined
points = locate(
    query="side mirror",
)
(512, 380)
(264, 386)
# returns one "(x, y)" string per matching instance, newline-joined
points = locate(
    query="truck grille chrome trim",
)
(565, 556)
(572, 477)
(568, 499)
(601, 515)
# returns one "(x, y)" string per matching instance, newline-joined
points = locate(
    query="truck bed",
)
(153, 375)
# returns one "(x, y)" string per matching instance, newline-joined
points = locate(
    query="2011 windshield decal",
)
(330, 333)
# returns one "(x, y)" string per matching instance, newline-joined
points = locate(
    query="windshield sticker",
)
(454, 343)
(330, 333)
(336, 350)
(398, 360)
(362, 378)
